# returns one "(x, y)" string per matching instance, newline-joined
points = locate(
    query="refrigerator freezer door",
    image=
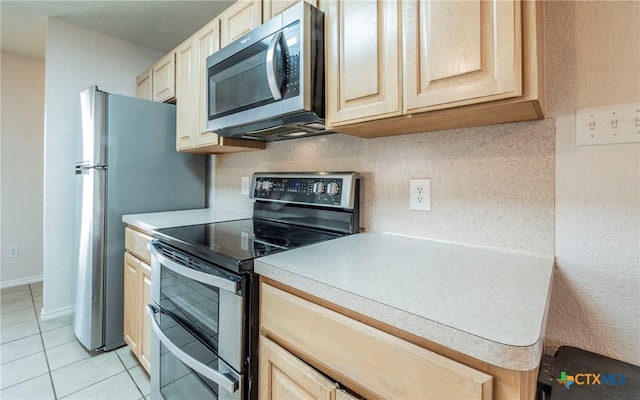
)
(91, 182)
(93, 127)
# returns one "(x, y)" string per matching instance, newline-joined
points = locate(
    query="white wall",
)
(21, 168)
(76, 58)
(593, 58)
(491, 186)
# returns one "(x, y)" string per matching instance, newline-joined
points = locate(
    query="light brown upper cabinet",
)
(240, 18)
(271, 8)
(164, 78)
(363, 80)
(144, 86)
(158, 83)
(460, 52)
(191, 97)
(207, 40)
(186, 85)
(458, 64)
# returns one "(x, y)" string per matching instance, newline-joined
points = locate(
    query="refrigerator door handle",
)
(84, 169)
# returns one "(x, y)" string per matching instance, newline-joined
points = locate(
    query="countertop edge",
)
(517, 358)
(167, 219)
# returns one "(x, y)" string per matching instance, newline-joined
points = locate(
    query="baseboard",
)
(61, 312)
(21, 281)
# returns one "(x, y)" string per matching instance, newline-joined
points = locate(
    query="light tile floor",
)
(43, 359)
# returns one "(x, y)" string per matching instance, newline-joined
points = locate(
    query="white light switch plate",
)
(245, 185)
(608, 124)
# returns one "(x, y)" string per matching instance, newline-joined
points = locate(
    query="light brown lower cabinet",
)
(307, 348)
(137, 294)
(284, 376)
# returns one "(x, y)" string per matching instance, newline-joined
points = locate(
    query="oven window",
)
(194, 304)
(177, 380)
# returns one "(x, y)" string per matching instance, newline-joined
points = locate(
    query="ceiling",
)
(157, 24)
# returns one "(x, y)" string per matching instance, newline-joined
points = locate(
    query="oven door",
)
(255, 78)
(197, 325)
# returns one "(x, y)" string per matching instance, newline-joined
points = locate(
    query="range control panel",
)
(324, 189)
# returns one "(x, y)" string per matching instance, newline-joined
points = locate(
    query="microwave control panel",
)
(291, 53)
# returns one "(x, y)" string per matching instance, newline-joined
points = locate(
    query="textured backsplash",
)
(490, 186)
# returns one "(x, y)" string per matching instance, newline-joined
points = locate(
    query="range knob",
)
(318, 188)
(333, 188)
(267, 185)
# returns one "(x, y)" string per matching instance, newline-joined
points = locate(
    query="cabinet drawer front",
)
(136, 243)
(371, 362)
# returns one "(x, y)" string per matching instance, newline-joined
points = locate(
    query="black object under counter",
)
(593, 377)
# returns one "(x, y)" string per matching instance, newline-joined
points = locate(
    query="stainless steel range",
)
(204, 315)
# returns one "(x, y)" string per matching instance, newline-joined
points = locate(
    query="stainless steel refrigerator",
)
(128, 165)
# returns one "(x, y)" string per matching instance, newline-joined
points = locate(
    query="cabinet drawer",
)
(373, 363)
(136, 243)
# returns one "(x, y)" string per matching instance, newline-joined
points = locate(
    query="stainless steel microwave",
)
(269, 84)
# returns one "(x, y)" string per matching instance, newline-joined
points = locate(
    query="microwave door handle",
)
(222, 380)
(216, 281)
(271, 67)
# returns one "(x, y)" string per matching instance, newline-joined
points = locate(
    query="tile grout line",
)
(93, 384)
(44, 349)
(129, 373)
(49, 371)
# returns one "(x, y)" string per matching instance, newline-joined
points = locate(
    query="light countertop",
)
(151, 221)
(487, 303)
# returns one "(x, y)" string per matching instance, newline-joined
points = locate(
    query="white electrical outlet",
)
(245, 185)
(615, 124)
(14, 251)
(420, 194)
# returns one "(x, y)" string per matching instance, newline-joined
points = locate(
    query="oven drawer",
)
(136, 243)
(186, 367)
(371, 362)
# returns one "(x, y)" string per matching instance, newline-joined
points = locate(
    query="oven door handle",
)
(229, 381)
(217, 281)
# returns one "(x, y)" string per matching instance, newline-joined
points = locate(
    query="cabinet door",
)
(145, 325)
(186, 110)
(375, 363)
(164, 78)
(144, 86)
(343, 395)
(240, 18)
(460, 52)
(271, 8)
(363, 60)
(131, 303)
(208, 42)
(283, 376)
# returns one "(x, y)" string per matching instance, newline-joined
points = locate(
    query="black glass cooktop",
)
(234, 244)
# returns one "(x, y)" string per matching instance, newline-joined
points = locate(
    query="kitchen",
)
(522, 186)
